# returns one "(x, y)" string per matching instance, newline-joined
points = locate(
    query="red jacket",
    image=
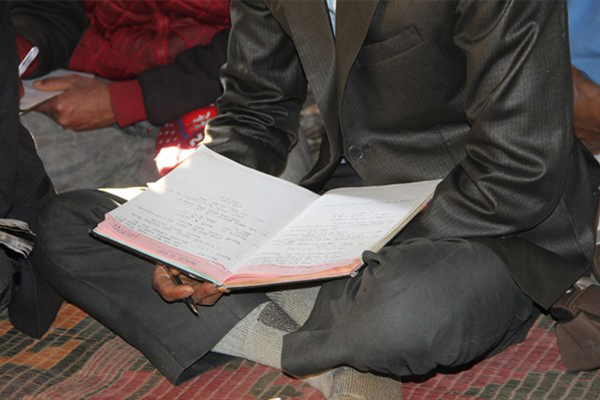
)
(133, 44)
(126, 37)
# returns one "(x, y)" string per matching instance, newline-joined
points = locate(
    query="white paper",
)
(32, 97)
(340, 226)
(194, 210)
(213, 218)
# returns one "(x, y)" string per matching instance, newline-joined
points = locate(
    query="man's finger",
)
(210, 300)
(169, 290)
(55, 83)
(206, 293)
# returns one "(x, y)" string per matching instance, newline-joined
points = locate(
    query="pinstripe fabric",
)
(477, 93)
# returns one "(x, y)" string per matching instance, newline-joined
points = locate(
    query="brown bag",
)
(577, 315)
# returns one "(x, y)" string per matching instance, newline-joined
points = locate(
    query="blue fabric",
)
(584, 36)
(331, 4)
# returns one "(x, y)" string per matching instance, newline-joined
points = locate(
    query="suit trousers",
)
(116, 289)
(33, 302)
(418, 306)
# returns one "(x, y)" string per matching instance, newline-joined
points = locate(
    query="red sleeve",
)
(127, 102)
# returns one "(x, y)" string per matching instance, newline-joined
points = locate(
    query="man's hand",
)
(203, 293)
(84, 104)
(586, 113)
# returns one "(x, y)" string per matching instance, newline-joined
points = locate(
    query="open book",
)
(219, 221)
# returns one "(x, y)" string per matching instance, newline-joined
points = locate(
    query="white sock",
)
(259, 336)
(297, 303)
(345, 383)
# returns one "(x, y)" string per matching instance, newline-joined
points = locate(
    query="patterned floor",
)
(80, 359)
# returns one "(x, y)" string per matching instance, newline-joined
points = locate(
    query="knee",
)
(414, 335)
(432, 304)
(64, 223)
(73, 208)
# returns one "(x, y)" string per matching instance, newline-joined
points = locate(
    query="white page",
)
(193, 209)
(339, 226)
(32, 97)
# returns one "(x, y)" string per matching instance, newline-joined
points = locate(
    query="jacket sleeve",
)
(53, 26)
(518, 101)
(191, 82)
(9, 100)
(264, 89)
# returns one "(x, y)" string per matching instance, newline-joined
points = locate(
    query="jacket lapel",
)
(310, 27)
(353, 20)
(327, 61)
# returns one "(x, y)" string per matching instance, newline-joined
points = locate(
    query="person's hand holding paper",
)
(84, 103)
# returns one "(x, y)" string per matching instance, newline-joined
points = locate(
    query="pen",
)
(31, 55)
(190, 303)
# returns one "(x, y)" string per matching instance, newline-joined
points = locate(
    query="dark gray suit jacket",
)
(475, 92)
(24, 188)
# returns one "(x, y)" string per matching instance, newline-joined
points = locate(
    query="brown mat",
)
(80, 359)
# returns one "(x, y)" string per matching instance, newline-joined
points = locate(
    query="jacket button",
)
(355, 153)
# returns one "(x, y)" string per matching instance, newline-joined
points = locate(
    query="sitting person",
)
(155, 62)
(24, 187)
(154, 65)
(409, 91)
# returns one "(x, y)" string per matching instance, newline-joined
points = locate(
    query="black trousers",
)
(116, 289)
(416, 306)
(33, 302)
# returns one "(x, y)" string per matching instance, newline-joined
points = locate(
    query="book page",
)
(32, 97)
(339, 227)
(211, 210)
